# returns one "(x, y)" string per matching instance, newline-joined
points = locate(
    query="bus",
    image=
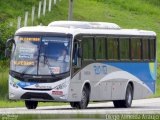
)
(79, 62)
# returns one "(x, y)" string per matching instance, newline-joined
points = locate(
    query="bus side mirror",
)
(8, 44)
(80, 52)
(7, 52)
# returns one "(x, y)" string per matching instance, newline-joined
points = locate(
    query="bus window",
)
(124, 48)
(75, 53)
(145, 49)
(87, 46)
(136, 48)
(112, 48)
(100, 48)
(152, 49)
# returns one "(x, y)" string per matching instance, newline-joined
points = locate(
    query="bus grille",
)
(30, 95)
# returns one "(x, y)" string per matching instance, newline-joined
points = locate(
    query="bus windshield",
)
(41, 55)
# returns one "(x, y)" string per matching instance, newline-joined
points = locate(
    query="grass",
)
(81, 116)
(14, 104)
(158, 82)
(10, 9)
(53, 116)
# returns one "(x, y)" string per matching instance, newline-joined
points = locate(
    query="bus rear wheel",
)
(128, 99)
(84, 100)
(31, 104)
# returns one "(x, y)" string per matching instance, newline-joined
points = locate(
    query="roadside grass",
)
(3, 81)
(157, 94)
(109, 116)
(15, 104)
(53, 116)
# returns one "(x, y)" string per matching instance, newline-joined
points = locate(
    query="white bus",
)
(79, 62)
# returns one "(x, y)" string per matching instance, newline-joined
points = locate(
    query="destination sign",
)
(29, 39)
(24, 63)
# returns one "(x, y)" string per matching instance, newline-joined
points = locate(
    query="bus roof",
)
(76, 27)
(84, 25)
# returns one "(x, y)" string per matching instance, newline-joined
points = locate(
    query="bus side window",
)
(136, 48)
(76, 59)
(112, 48)
(75, 54)
(100, 48)
(124, 48)
(87, 48)
(152, 48)
(145, 49)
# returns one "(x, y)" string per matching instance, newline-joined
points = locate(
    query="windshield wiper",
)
(47, 62)
(25, 70)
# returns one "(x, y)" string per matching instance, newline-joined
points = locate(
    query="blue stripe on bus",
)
(140, 70)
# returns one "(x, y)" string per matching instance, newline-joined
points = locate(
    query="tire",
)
(116, 103)
(73, 104)
(128, 99)
(84, 100)
(31, 104)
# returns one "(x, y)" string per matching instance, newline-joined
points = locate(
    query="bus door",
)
(77, 58)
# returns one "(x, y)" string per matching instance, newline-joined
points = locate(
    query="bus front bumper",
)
(32, 92)
(35, 95)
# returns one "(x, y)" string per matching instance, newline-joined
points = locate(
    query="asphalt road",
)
(144, 106)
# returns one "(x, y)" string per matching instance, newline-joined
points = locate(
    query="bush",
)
(3, 65)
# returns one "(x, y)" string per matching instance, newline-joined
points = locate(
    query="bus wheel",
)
(116, 103)
(128, 99)
(31, 104)
(74, 104)
(84, 100)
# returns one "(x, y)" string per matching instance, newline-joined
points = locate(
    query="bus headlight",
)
(60, 86)
(13, 84)
(11, 95)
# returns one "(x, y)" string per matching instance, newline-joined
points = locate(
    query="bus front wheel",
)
(84, 100)
(74, 104)
(31, 104)
(128, 99)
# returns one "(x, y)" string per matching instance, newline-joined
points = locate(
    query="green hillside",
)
(12, 8)
(139, 14)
